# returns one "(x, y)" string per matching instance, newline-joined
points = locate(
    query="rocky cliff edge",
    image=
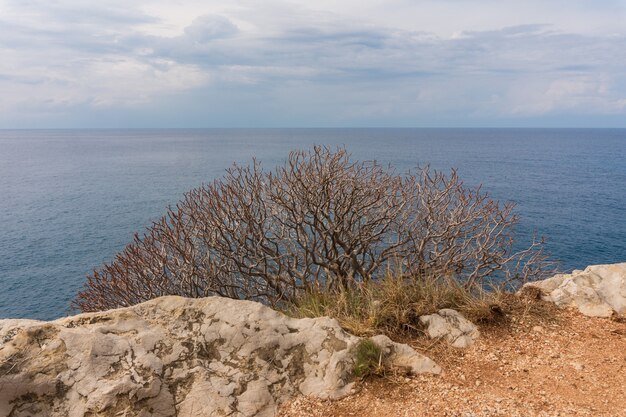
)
(177, 356)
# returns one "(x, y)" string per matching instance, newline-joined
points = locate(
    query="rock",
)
(404, 357)
(598, 291)
(176, 356)
(451, 325)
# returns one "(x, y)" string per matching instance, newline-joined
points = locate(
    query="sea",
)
(70, 200)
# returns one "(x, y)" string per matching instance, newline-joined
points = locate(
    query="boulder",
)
(452, 326)
(176, 356)
(598, 291)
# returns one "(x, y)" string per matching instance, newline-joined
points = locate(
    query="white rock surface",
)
(598, 291)
(175, 356)
(451, 325)
(402, 356)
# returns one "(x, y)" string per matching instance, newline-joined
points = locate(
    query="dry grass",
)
(393, 305)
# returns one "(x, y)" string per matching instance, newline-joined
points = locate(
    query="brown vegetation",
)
(321, 223)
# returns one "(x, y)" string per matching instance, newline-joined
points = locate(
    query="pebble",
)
(578, 366)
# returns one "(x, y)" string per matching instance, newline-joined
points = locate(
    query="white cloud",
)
(346, 62)
(95, 82)
(582, 94)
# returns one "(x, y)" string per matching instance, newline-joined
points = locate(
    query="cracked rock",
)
(176, 356)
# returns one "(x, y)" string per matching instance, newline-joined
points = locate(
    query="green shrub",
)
(368, 359)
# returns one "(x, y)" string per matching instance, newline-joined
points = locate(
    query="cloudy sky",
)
(240, 63)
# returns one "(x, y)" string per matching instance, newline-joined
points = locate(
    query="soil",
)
(562, 364)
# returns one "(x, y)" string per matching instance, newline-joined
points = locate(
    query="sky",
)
(323, 63)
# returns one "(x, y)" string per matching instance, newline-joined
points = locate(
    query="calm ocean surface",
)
(71, 199)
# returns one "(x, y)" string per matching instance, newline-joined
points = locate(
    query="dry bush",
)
(320, 222)
(461, 231)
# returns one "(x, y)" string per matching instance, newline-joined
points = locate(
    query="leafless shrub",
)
(461, 231)
(319, 222)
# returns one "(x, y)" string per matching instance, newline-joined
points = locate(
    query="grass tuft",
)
(368, 360)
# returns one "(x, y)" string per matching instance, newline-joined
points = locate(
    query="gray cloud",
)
(208, 28)
(62, 56)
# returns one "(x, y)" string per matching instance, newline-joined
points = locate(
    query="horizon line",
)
(310, 127)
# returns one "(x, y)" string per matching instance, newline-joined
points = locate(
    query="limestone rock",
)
(175, 356)
(598, 291)
(451, 325)
(404, 357)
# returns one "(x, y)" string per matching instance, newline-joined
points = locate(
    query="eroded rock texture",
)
(176, 356)
(598, 291)
(452, 326)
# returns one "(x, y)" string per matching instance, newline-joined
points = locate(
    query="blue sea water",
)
(71, 199)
